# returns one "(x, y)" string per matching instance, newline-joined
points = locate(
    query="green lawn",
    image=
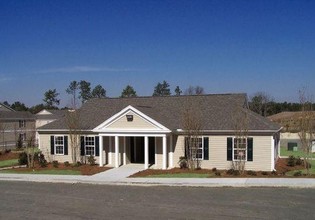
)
(9, 163)
(285, 152)
(312, 170)
(51, 172)
(180, 175)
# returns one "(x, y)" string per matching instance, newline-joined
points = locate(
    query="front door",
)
(151, 150)
(137, 149)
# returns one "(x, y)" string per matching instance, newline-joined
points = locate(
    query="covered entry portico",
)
(117, 132)
(119, 150)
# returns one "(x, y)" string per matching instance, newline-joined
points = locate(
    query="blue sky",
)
(223, 46)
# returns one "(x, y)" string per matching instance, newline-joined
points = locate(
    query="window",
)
(239, 148)
(90, 146)
(59, 145)
(22, 137)
(21, 123)
(195, 146)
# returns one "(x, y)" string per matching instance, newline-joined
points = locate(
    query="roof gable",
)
(140, 122)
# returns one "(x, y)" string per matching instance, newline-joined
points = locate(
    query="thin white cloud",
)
(5, 78)
(89, 69)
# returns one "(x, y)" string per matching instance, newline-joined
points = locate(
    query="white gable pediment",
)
(139, 123)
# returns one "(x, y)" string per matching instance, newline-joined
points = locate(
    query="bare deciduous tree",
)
(240, 122)
(2, 130)
(306, 127)
(72, 119)
(30, 150)
(192, 125)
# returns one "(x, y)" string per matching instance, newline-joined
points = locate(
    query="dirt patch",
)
(281, 168)
(8, 155)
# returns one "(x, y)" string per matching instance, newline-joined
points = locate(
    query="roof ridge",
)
(172, 96)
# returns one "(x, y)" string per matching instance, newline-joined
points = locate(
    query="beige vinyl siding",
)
(262, 157)
(137, 123)
(158, 153)
(45, 149)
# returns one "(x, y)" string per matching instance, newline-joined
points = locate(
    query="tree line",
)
(81, 91)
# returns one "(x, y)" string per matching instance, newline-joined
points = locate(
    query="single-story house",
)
(151, 131)
(290, 134)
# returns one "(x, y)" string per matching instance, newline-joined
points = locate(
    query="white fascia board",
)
(56, 130)
(122, 113)
(229, 131)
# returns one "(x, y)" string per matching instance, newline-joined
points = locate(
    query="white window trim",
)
(246, 149)
(55, 145)
(22, 123)
(89, 145)
(202, 147)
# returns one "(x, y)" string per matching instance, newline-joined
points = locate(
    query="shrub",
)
(41, 160)
(274, 172)
(66, 163)
(298, 161)
(7, 151)
(217, 173)
(214, 169)
(19, 143)
(23, 158)
(183, 163)
(264, 173)
(291, 161)
(230, 172)
(298, 173)
(91, 160)
(308, 165)
(77, 164)
(55, 163)
(236, 173)
(251, 173)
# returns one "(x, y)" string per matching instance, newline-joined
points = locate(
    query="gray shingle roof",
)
(55, 114)
(18, 115)
(216, 111)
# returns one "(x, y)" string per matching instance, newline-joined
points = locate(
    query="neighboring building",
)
(47, 116)
(149, 130)
(15, 125)
(290, 138)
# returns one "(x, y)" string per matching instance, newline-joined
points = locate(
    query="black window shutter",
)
(229, 148)
(52, 145)
(97, 145)
(185, 147)
(82, 146)
(65, 145)
(206, 148)
(249, 149)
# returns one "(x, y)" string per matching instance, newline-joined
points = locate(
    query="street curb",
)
(243, 183)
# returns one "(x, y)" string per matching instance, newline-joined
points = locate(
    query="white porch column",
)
(155, 152)
(272, 153)
(116, 151)
(171, 152)
(124, 154)
(101, 151)
(110, 150)
(164, 152)
(146, 152)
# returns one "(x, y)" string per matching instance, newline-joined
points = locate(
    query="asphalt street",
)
(26, 200)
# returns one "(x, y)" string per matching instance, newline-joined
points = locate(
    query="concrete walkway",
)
(118, 176)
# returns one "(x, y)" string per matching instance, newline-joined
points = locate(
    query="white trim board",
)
(104, 127)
